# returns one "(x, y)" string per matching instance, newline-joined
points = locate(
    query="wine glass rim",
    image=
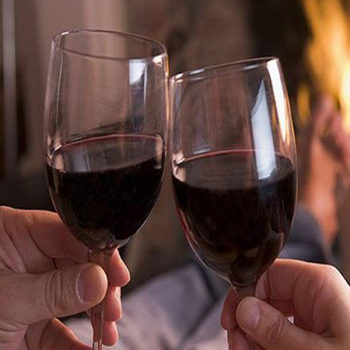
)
(240, 65)
(162, 49)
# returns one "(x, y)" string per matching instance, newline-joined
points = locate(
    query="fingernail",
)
(248, 313)
(89, 284)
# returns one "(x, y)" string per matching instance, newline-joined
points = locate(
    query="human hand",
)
(44, 274)
(317, 296)
(324, 157)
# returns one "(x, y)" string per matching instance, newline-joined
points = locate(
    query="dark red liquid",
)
(105, 187)
(236, 209)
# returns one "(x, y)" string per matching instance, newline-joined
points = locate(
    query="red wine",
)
(236, 208)
(105, 187)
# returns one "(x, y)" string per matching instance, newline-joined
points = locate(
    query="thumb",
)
(271, 329)
(28, 298)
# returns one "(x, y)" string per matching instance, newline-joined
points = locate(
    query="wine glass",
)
(234, 166)
(105, 135)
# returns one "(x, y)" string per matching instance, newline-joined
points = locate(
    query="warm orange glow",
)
(303, 104)
(328, 51)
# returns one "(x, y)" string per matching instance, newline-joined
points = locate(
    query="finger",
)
(113, 306)
(110, 334)
(310, 290)
(228, 316)
(118, 274)
(237, 340)
(285, 307)
(272, 330)
(28, 298)
(54, 335)
(45, 231)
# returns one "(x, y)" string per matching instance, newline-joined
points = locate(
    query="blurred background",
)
(312, 38)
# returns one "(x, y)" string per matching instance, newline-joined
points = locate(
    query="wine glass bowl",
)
(105, 137)
(104, 187)
(234, 166)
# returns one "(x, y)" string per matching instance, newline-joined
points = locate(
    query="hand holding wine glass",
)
(234, 166)
(105, 138)
(320, 322)
(44, 274)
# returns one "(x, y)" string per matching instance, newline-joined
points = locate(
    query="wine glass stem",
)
(248, 291)
(97, 325)
(97, 312)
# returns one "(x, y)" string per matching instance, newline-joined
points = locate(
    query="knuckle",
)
(5, 214)
(330, 274)
(332, 271)
(275, 330)
(119, 313)
(4, 210)
(54, 294)
(29, 222)
(30, 219)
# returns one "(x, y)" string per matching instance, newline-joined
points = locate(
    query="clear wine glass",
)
(234, 166)
(105, 136)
